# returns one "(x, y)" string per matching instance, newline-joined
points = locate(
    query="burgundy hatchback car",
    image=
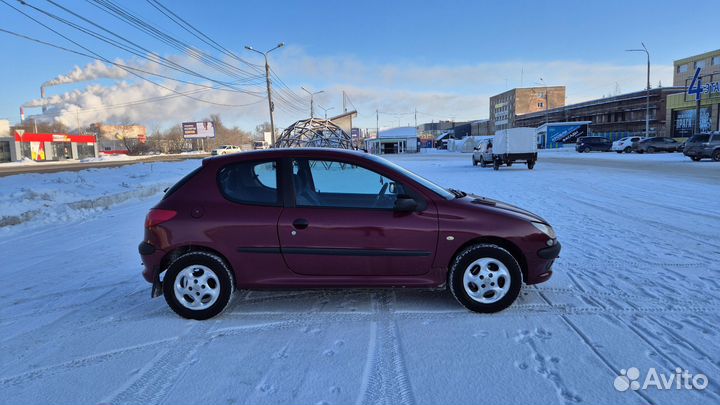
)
(295, 218)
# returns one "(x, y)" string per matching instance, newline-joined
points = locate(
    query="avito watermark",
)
(680, 380)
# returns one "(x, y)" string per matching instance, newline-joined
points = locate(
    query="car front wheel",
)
(716, 156)
(485, 278)
(198, 285)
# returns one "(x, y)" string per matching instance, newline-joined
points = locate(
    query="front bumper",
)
(550, 253)
(539, 266)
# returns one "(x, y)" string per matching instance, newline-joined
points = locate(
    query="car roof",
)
(290, 152)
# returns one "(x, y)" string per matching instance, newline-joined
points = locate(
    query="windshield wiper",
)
(457, 193)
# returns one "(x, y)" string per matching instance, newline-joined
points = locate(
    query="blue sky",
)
(443, 58)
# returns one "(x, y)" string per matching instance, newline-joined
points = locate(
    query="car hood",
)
(504, 207)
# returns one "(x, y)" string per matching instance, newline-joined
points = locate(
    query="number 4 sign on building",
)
(696, 85)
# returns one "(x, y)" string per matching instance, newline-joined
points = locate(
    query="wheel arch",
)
(501, 242)
(181, 250)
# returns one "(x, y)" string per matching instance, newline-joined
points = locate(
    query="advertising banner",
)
(684, 121)
(566, 133)
(204, 129)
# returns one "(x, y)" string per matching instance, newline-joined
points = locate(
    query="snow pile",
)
(54, 197)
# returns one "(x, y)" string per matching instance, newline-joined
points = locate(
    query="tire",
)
(483, 164)
(496, 165)
(695, 158)
(716, 155)
(198, 267)
(587, 149)
(651, 149)
(627, 149)
(531, 164)
(475, 162)
(492, 263)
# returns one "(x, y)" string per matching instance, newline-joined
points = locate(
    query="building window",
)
(699, 64)
(716, 60)
(541, 104)
(682, 68)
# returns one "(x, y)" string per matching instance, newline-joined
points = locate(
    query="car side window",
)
(253, 183)
(326, 183)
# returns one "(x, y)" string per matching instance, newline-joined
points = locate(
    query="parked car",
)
(225, 149)
(299, 218)
(593, 143)
(625, 144)
(657, 144)
(701, 146)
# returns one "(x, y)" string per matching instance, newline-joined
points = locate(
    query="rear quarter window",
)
(252, 183)
(181, 183)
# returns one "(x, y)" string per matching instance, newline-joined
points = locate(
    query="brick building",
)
(505, 107)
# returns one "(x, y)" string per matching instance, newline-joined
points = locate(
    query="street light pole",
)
(312, 108)
(271, 106)
(647, 90)
(325, 110)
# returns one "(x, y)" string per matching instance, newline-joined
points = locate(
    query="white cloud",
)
(438, 91)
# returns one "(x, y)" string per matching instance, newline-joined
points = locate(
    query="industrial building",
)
(505, 107)
(612, 117)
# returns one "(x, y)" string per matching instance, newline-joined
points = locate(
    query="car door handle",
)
(300, 223)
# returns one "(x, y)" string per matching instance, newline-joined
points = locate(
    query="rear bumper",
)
(151, 258)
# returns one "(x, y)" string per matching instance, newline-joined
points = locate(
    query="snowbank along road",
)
(636, 286)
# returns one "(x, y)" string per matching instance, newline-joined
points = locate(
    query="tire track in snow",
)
(85, 361)
(385, 379)
(152, 383)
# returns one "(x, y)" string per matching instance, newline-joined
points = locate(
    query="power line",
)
(105, 59)
(120, 65)
(155, 58)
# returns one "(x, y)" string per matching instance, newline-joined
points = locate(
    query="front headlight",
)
(546, 229)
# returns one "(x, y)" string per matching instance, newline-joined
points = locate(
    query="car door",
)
(343, 223)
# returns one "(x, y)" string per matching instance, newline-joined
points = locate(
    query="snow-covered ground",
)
(637, 285)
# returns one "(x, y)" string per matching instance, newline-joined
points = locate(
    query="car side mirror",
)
(405, 203)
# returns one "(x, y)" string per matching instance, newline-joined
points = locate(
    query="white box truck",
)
(509, 146)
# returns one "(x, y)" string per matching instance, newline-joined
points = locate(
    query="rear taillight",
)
(156, 217)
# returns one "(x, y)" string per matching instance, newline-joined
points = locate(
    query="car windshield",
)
(699, 138)
(442, 192)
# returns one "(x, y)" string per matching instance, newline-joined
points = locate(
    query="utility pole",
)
(312, 108)
(344, 103)
(271, 106)
(377, 123)
(647, 92)
(415, 117)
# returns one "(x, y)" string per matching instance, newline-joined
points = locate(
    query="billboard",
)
(202, 129)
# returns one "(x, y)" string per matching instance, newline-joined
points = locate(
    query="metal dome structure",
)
(314, 133)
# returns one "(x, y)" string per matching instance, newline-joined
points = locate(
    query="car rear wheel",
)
(531, 164)
(627, 149)
(651, 149)
(587, 149)
(716, 156)
(198, 285)
(485, 278)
